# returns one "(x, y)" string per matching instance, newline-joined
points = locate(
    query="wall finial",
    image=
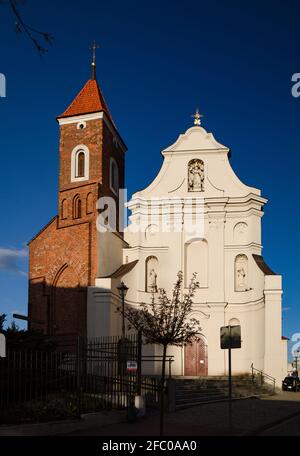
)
(197, 117)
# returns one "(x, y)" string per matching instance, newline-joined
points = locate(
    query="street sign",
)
(131, 366)
(230, 337)
(2, 346)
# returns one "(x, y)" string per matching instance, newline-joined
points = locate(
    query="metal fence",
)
(93, 374)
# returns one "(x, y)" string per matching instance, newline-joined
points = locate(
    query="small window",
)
(114, 176)
(81, 125)
(80, 164)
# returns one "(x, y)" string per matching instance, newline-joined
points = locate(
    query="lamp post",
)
(122, 293)
(296, 359)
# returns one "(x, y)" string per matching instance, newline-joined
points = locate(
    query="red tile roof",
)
(88, 100)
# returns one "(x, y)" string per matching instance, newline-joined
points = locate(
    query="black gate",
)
(91, 375)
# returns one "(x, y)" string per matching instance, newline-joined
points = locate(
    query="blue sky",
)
(158, 61)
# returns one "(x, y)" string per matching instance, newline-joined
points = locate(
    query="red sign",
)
(131, 366)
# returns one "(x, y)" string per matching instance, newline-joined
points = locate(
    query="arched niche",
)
(151, 274)
(240, 232)
(89, 203)
(196, 175)
(241, 277)
(196, 261)
(77, 207)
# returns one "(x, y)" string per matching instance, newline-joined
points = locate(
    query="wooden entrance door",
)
(195, 358)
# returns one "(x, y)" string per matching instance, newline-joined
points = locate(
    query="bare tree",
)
(36, 36)
(166, 321)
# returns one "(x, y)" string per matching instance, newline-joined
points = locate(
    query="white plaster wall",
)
(225, 202)
(273, 363)
(110, 247)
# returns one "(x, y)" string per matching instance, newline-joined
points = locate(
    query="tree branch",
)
(32, 33)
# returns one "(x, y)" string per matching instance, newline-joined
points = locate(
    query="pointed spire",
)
(93, 48)
(88, 100)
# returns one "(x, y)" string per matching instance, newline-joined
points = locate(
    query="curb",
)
(49, 428)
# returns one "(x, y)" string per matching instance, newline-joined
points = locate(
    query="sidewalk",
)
(250, 417)
(63, 427)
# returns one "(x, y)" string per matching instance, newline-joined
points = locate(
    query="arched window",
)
(196, 260)
(80, 163)
(151, 272)
(63, 209)
(114, 176)
(89, 204)
(77, 207)
(241, 273)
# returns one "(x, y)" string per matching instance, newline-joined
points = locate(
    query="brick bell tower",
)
(64, 257)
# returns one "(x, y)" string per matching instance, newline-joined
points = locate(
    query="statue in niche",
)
(241, 273)
(152, 287)
(196, 176)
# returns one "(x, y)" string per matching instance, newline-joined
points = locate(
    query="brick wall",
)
(63, 256)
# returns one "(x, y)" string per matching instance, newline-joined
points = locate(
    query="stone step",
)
(198, 394)
(197, 400)
(195, 386)
(191, 391)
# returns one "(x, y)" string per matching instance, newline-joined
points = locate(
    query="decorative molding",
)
(194, 139)
(177, 188)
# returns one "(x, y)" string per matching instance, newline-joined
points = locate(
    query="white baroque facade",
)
(203, 219)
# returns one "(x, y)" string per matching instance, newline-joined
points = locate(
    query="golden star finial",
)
(197, 117)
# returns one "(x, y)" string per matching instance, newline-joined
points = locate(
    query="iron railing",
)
(159, 359)
(89, 376)
(263, 378)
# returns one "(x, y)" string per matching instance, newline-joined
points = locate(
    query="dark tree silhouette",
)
(166, 321)
(36, 36)
(24, 339)
(2, 321)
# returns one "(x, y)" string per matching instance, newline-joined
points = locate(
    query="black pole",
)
(123, 316)
(229, 381)
(139, 365)
(162, 392)
(78, 377)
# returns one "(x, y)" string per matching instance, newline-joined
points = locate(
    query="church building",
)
(195, 217)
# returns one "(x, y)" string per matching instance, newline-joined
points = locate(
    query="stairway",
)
(196, 390)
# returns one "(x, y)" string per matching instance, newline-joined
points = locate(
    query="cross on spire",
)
(197, 117)
(93, 48)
